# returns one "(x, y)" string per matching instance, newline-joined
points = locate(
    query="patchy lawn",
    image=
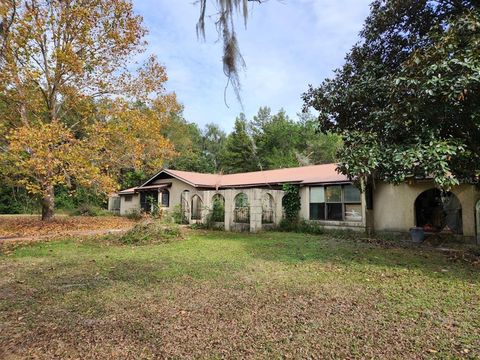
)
(217, 294)
(33, 226)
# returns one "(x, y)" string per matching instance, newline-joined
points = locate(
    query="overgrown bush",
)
(89, 210)
(301, 226)
(215, 215)
(15, 200)
(134, 214)
(291, 202)
(177, 214)
(151, 232)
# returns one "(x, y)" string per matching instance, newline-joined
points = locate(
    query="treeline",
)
(268, 141)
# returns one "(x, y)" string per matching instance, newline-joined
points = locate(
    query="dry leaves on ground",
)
(23, 226)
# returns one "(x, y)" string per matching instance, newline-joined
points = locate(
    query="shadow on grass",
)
(294, 248)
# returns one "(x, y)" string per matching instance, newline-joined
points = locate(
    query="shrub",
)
(302, 226)
(291, 202)
(177, 214)
(150, 232)
(89, 210)
(215, 215)
(134, 214)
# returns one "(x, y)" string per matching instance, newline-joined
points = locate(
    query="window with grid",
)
(335, 202)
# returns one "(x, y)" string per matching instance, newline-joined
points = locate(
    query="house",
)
(253, 201)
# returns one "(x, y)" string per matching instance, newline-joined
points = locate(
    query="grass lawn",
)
(216, 294)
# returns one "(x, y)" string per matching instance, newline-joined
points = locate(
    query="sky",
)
(287, 45)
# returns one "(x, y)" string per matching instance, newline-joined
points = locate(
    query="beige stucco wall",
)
(394, 206)
(127, 207)
(255, 196)
(304, 202)
(175, 191)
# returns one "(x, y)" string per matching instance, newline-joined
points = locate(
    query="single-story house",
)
(253, 201)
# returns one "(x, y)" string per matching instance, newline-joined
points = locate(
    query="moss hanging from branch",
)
(232, 59)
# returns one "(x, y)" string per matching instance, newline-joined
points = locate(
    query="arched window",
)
(267, 209)
(437, 211)
(165, 198)
(218, 208)
(196, 208)
(242, 209)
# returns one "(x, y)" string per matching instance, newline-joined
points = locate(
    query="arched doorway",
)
(218, 208)
(196, 207)
(437, 211)
(185, 206)
(267, 209)
(241, 213)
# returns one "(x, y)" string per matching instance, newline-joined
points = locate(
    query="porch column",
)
(229, 205)
(255, 198)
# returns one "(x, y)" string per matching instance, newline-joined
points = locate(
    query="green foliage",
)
(406, 102)
(90, 210)
(301, 226)
(240, 153)
(132, 178)
(150, 233)
(216, 213)
(15, 200)
(134, 214)
(199, 150)
(291, 202)
(177, 214)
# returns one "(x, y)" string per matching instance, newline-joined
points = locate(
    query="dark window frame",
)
(323, 209)
(165, 195)
(128, 198)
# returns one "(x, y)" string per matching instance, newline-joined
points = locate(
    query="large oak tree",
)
(72, 110)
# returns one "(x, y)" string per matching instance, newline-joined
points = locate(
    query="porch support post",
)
(228, 196)
(255, 197)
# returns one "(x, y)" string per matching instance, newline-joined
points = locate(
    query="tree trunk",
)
(48, 204)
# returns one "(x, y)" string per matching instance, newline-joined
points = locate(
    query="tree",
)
(405, 102)
(240, 153)
(277, 139)
(71, 111)
(214, 141)
(317, 147)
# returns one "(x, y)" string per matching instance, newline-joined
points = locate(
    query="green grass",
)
(216, 294)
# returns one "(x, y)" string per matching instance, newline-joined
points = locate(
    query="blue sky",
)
(287, 45)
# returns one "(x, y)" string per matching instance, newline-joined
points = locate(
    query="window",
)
(335, 202)
(128, 197)
(165, 198)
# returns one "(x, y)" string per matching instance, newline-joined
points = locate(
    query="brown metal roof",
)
(129, 191)
(313, 174)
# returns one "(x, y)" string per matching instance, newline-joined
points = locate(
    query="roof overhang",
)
(164, 171)
(139, 189)
(153, 187)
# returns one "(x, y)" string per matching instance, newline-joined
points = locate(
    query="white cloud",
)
(286, 46)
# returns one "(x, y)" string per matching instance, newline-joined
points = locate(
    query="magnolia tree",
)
(406, 101)
(72, 111)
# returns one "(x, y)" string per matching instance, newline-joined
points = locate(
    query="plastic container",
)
(417, 234)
